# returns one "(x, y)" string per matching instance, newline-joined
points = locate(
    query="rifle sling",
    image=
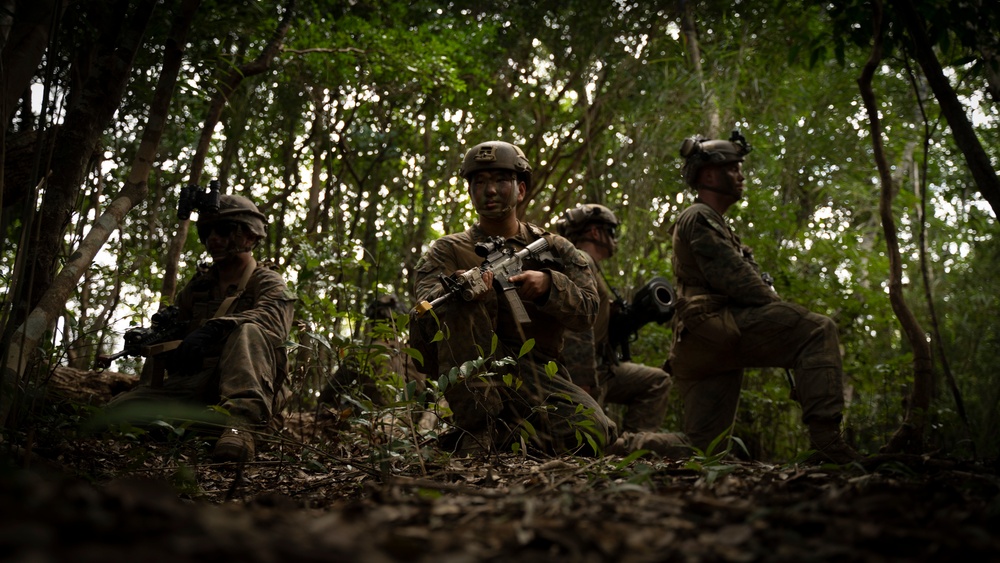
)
(153, 352)
(228, 302)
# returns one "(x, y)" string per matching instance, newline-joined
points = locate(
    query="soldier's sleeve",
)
(468, 326)
(274, 304)
(724, 265)
(437, 261)
(573, 294)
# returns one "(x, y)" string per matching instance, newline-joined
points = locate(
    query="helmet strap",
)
(604, 241)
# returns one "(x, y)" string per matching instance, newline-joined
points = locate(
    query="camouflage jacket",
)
(585, 350)
(266, 301)
(570, 304)
(709, 258)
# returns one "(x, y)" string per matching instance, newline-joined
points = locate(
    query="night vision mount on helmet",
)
(699, 151)
(214, 208)
(194, 198)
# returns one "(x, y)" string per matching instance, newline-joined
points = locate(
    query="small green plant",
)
(711, 462)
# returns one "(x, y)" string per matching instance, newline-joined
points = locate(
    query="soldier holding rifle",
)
(235, 316)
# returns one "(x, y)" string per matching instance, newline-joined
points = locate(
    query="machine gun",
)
(504, 262)
(165, 326)
(653, 302)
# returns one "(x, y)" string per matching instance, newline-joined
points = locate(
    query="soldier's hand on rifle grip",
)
(532, 284)
(189, 356)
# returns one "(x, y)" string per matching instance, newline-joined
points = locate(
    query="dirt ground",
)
(324, 490)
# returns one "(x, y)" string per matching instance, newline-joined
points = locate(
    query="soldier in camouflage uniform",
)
(728, 318)
(238, 314)
(558, 294)
(642, 389)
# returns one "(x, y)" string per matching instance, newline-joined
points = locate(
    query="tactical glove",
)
(188, 357)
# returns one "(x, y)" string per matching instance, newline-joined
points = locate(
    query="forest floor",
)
(317, 491)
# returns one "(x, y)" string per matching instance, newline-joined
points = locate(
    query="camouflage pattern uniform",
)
(644, 390)
(729, 319)
(245, 371)
(492, 410)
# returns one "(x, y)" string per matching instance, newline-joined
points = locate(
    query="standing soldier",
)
(642, 389)
(729, 318)
(238, 314)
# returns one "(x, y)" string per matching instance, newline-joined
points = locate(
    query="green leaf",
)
(630, 458)
(415, 354)
(443, 382)
(526, 347)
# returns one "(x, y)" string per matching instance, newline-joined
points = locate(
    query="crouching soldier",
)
(236, 315)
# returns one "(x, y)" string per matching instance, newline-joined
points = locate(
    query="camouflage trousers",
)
(709, 374)
(555, 415)
(643, 390)
(242, 381)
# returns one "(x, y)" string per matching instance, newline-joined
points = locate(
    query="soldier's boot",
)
(236, 444)
(668, 445)
(830, 446)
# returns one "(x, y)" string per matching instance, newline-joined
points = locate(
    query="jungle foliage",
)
(351, 138)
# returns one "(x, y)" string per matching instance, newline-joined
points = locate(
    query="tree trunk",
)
(78, 138)
(709, 104)
(26, 35)
(230, 81)
(920, 188)
(954, 112)
(53, 301)
(320, 141)
(909, 437)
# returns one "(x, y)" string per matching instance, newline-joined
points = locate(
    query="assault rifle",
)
(165, 326)
(504, 262)
(653, 302)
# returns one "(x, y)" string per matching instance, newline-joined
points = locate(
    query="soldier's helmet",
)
(577, 220)
(496, 155)
(237, 209)
(699, 151)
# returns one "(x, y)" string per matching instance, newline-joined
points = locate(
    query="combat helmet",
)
(575, 225)
(699, 151)
(496, 155)
(234, 208)
(576, 220)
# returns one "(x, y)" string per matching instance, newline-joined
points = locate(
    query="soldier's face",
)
(726, 179)
(495, 193)
(733, 178)
(226, 239)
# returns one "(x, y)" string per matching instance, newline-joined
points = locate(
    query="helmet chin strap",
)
(503, 211)
(731, 193)
(230, 251)
(729, 190)
(601, 242)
